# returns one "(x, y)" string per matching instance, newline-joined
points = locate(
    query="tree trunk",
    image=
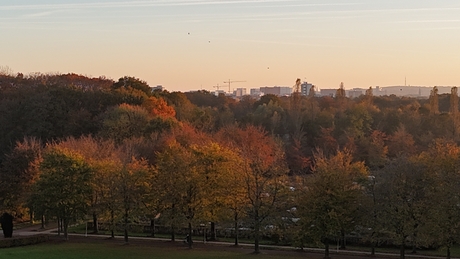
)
(112, 223)
(236, 229)
(95, 223)
(213, 232)
(373, 249)
(342, 240)
(152, 227)
(402, 254)
(126, 225)
(173, 233)
(256, 232)
(31, 214)
(326, 249)
(59, 226)
(66, 228)
(43, 222)
(190, 241)
(448, 252)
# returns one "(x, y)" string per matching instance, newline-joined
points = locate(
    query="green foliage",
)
(64, 188)
(127, 121)
(19, 172)
(329, 201)
(131, 83)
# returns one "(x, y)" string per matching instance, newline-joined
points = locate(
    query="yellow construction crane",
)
(230, 82)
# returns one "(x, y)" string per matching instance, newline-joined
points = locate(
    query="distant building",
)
(218, 92)
(410, 91)
(328, 92)
(305, 88)
(254, 92)
(355, 92)
(276, 90)
(239, 92)
(158, 87)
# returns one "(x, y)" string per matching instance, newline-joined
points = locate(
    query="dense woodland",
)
(300, 170)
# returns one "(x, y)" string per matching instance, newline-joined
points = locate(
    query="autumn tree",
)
(159, 107)
(454, 113)
(443, 166)
(434, 103)
(217, 165)
(200, 168)
(18, 174)
(340, 93)
(403, 189)
(373, 150)
(263, 170)
(329, 203)
(64, 186)
(131, 83)
(125, 121)
(401, 142)
(100, 154)
(170, 185)
(134, 182)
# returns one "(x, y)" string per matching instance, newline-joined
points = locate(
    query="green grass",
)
(71, 250)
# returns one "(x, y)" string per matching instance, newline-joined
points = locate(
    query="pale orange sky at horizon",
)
(196, 44)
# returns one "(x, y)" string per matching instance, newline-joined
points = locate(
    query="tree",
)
(341, 91)
(159, 107)
(133, 184)
(217, 166)
(178, 185)
(64, 186)
(128, 82)
(125, 121)
(454, 113)
(264, 172)
(443, 166)
(18, 174)
(434, 103)
(100, 155)
(372, 149)
(401, 143)
(403, 190)
(329, 203)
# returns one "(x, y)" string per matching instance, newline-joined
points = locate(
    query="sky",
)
(188, 45)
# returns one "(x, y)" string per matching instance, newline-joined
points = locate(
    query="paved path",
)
(35, 230)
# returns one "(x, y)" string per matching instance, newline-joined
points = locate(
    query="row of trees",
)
(239, 175)
(185, 175)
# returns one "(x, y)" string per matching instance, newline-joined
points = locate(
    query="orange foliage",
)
(159, 107)
(253, 144)
(186, 135)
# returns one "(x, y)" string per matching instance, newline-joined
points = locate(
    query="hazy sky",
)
(197, 44)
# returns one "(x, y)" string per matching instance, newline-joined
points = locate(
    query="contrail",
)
(130, 4)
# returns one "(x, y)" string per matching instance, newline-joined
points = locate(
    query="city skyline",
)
(197, 44)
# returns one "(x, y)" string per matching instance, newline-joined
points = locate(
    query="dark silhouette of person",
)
(6, 221)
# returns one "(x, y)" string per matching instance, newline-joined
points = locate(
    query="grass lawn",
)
(117, 250)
